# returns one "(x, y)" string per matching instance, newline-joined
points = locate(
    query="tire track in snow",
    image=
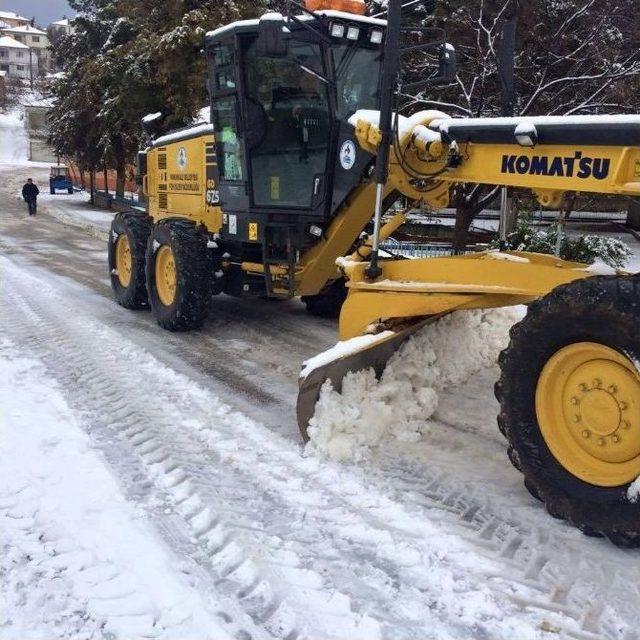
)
(595, 584)
(266, 580)
(333, 510)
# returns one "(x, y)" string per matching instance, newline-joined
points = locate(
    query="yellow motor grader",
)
(284, 193)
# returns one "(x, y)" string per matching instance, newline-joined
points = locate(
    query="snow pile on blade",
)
(351, 425)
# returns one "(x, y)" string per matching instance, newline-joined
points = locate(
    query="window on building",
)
(35, 38)
(20, 67)
(20, 54)
(4, 53)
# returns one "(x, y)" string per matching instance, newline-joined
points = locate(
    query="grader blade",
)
(413, 293)
(374, 354)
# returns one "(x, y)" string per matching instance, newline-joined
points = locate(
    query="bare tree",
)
(572, 57)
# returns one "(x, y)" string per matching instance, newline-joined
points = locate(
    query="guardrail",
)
(423, 250)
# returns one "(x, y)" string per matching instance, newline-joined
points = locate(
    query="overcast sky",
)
(45, 11)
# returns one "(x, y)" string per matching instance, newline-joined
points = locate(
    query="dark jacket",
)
(30, 191)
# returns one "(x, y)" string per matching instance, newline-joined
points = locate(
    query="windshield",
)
(288, 125)
(357, 72)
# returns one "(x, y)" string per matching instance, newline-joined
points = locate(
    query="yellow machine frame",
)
(177, 185)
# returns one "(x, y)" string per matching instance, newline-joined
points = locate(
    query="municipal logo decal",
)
(182, 157)
(348, 155)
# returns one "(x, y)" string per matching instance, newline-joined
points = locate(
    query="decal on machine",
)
(182, 158)
(213, 194)
(577, 165)
(348, 155)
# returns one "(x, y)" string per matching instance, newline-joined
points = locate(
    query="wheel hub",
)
(123, 260)
(588, 408)
(165, 275)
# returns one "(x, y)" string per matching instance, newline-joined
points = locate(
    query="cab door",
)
(228, 127)
(288, 121)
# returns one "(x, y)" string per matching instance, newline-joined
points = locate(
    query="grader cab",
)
(283, 193)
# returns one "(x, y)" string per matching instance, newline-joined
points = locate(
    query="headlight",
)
(353, 33)
(526, 134)
(337, 30)
(315, 230)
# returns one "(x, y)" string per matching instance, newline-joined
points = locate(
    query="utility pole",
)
(508, 97)
(30, 66)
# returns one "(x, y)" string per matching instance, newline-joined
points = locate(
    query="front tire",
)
(570, 404)
(179, 275)
(127, 247)
(329, 301)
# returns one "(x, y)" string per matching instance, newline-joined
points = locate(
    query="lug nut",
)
(597, 383)
(613, 389)
(615, 438)
(576, 418)
(626, 424)
(575, 400)
(586, 433)
(623, 406)
(601, 442)
(583, 387)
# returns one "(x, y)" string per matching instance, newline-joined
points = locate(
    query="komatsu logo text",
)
(575, 166)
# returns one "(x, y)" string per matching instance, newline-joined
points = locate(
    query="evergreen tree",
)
(127, 58)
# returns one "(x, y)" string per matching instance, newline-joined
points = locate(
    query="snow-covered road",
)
(187, 445)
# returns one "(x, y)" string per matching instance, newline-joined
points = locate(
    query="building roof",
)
(10, 15)
(40, 103)
(62, 23)
(27, 28)
(7, 41)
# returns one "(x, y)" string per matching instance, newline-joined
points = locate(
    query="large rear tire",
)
(570, 404)
(179, 274)
(127, 247)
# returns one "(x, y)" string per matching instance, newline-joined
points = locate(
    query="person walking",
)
(30, 194)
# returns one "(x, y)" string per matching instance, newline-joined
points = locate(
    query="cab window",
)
(230, 153)
(288, 125)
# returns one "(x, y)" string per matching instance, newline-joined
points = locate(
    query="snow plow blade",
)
(375, 353)
(413, 293)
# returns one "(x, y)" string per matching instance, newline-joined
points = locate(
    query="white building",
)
(17, 59)
(36, 122)
(62, 27)
(35, 39)
(12, 19)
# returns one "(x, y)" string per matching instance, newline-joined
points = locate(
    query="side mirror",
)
(447, 67)
(141, 167)
(152, 123)
(448, 64)
(272, 36)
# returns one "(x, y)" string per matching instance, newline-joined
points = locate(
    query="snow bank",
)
(351, 425)
(78, 560)
(633, 492)
(13, 138)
